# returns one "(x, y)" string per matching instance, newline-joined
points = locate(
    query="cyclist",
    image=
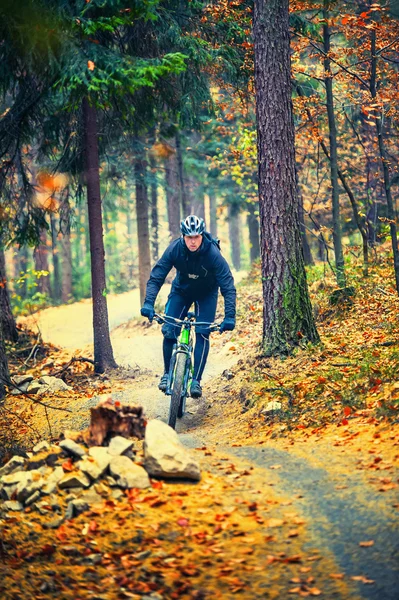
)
(200, 271)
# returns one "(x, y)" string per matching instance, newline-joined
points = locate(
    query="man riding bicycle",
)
(200, 271)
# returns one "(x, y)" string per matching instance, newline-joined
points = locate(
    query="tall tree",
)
(9, 326)
(328, 80)
(287, 314)
(103, 353)
(143, 232)
(4, 373)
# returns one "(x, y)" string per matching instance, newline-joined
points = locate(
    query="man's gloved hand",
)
(227, 325)
(147, 310)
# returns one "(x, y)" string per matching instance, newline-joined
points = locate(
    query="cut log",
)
(109, 419)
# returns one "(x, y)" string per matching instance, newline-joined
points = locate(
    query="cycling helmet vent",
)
(192, 225)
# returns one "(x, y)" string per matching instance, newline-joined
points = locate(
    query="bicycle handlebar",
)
(163, 319)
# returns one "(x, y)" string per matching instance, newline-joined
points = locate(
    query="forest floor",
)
(298, 501)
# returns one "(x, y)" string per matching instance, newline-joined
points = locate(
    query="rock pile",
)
(69, 477)
(44, 385)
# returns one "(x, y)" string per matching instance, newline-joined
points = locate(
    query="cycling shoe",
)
(195, 389)
(163, 384)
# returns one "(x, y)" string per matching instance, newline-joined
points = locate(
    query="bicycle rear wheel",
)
(177, 388)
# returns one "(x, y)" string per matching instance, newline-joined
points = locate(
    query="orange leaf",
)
(90, 65)
(366, 544)
(345, 20)
(68, 465)
(347, 411)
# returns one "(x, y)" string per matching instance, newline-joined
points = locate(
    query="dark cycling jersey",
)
(199, 273)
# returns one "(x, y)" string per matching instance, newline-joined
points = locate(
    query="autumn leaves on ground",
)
(286, 448)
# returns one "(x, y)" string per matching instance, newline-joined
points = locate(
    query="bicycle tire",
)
(177, 388)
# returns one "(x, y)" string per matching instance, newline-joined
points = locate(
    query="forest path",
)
(345, 525)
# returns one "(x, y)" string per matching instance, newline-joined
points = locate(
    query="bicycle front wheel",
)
(177, 388)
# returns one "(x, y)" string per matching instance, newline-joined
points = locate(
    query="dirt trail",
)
(349, 526)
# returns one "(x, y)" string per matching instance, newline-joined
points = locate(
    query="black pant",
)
(178, 306)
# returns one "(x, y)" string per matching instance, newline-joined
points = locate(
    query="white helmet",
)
(192, 225)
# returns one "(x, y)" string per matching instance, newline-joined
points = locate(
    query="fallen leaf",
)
(90, 65)
(274, 522)
(366, 544)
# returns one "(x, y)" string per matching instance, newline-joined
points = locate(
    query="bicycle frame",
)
(183, 346)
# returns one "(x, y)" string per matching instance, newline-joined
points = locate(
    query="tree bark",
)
(40, 257)
(198, 200)
(66, 250)
(287, 313)
(307, 254)
(4, 373)
(235, 236)
(9, 326)
(337, 235)
(103, 353)
(383, 156)
(213, 226)
(172, 195)
(180, 169)
(143, 233)
(154, 210)
(253, 227)
(56, 261)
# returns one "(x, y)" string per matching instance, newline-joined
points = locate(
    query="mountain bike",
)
(181, 364)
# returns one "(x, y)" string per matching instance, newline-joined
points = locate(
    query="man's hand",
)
(148, 311)
(227, 325)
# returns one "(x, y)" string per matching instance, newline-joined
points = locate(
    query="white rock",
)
(271, 407)
(35, 387)
(73, 448)
(53, 385)
(44, 445)
(13, 464)
(128, 474)
(101, 456)
(164, 454)
(20, 379)
(12, 505)
(52, 480)
(74, 480)
(90, 467)
(26, 489)
(21, 477)
(119, 445)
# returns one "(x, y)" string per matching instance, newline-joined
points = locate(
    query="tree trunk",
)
(56, 262)
(40, 256)
(198, 200)
(213, 227)
(21, 264)
(154, 209)
(307, 254)
(132, 254)
(9, 326)
(4, 373)
(287, 313)
(143, 233)
(235, 236)
(384, 158)
(65, 228)
(337, 235)
(103, 353)
(180, 169)
(253, 227)
(172, 196)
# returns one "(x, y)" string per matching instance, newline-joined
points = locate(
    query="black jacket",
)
(198, 274)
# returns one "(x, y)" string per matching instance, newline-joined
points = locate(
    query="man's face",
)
(193, 242)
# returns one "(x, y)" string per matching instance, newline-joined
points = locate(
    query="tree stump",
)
(112, 418)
